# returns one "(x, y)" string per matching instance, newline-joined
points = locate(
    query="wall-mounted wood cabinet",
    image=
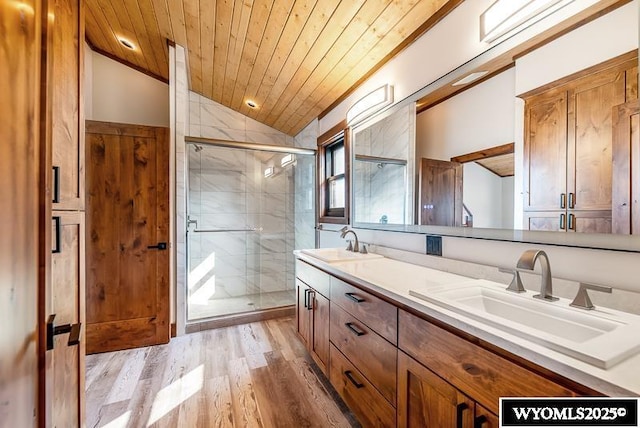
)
(568, 144)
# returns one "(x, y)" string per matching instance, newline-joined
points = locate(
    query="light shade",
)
(287, 159)
(371, 103)
(504, 16)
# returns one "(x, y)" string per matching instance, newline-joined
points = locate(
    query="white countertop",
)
(393, 279)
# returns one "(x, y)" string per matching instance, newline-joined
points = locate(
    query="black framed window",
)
(333, 176)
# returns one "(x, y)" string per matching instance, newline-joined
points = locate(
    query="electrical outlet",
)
(434, 245)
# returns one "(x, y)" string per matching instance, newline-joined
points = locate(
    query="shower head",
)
(197, 148)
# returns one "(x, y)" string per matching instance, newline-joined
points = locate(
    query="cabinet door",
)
(64, 98)
(319, 329)
(589, 221)
(551, 221)
(626, 169)
(545, 151)
(425, 400)
(66, 299)
(303, 317)
(590, 138)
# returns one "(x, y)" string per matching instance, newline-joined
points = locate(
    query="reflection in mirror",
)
(383, 169)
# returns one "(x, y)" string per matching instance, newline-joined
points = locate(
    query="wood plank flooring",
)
(251, 375)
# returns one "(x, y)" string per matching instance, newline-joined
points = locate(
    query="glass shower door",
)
(243, 212)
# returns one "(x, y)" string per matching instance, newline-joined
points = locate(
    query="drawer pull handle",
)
(355, 298)
(306, 298)
(480, 421)
(355, 383)
(355, 331)
(460, 409)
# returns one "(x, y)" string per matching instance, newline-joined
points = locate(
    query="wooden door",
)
(425, 400)
(320, 330)
(626, 169)
(545, 152)
(590, 139)
(440, 192)
(127, 214)
(19, 217)
(303, 319)
(65, 358)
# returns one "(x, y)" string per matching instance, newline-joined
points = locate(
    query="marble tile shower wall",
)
(209, 119)
(377, 197)
(377, 191)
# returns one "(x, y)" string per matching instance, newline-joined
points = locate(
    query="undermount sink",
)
(601, 337)
(339, 255)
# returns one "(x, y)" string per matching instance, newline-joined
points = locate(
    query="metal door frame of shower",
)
(241, 318)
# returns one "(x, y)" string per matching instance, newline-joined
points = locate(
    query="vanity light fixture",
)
(504, 16)
(371, 103)
(269, 172)
(469, 78)
(287, 159)
(127, 43)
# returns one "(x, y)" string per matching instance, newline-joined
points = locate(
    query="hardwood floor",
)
(251, 375)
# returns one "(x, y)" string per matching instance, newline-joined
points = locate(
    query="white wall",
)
(450, 43)
(117, 93)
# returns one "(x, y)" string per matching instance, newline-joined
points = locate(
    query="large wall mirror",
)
(542, 143)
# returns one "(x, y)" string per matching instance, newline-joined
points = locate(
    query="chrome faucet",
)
(527, 261)
(356, 246)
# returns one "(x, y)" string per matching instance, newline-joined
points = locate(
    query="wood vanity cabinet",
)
(312, 312)
(443, 377)
(568, 142)
(394, 368)
(429, 401)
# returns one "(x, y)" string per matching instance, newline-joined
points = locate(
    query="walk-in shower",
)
(249, 207)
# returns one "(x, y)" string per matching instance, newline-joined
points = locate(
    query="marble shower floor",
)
(241, 304)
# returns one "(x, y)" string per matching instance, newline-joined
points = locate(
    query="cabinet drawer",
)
(313, 277)
(375, 357)
(358, 393)
(475, 371)
(379, 315)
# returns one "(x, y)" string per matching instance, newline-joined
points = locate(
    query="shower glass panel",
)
(248, 210)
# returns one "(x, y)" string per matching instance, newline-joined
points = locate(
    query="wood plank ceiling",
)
(294, 58)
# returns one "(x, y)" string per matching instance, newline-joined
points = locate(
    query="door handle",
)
(53, 330)
(572, 200)
(563, 200)
(56, 185)
(563, 219)
(311, 300)
(572, 222)
(306, 298)
(160, 246)
(57, 234)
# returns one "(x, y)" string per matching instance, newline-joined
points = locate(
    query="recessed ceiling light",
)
(126, 43)
(469, 78)
(252, 104)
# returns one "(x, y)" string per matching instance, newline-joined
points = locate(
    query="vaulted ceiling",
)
(293, 58)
